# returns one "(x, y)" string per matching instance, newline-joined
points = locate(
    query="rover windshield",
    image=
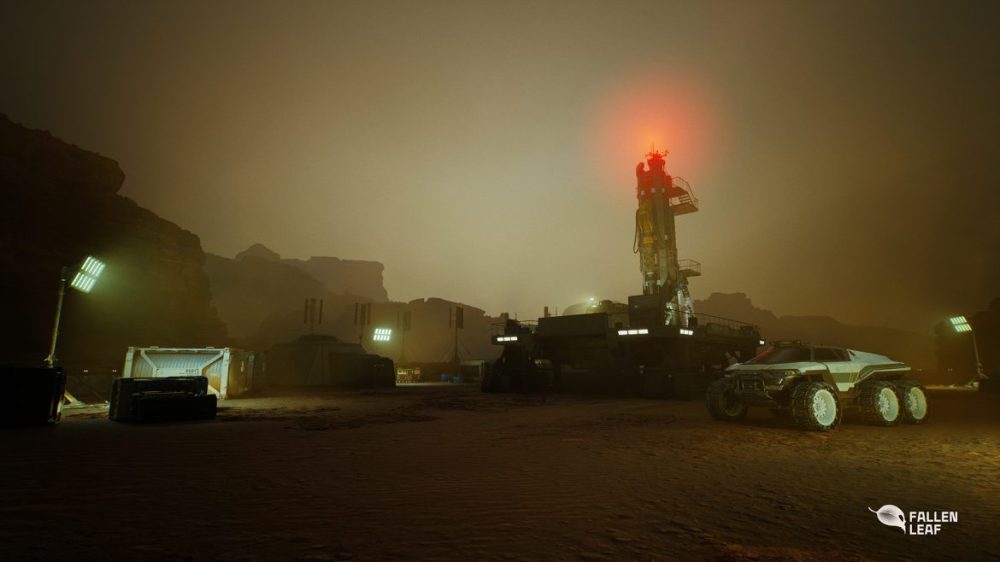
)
(782, 354)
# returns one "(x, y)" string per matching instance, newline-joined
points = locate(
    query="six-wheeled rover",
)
(813, 385)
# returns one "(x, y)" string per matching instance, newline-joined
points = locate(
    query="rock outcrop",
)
(259, 251)
(354, 277)
(61, 203)
(261, 296)
(361, 278)
(251, 288)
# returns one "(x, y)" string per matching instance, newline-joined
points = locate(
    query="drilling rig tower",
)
(662, 198)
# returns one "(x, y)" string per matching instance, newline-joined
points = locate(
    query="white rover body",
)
(813, 384)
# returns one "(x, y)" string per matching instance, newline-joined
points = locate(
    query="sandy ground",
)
(444, 472)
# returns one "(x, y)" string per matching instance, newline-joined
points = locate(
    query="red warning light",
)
(642, 114)
(654, 154)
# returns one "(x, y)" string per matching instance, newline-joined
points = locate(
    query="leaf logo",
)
(890, 515)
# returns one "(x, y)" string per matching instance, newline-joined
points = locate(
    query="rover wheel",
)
(913, 399)
(879, 403)
(815, 407)
(723, 403)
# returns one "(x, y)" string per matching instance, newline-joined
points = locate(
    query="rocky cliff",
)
(354, 277)
(249, 289)
(61, 203)
(260, 296)
(361, 278)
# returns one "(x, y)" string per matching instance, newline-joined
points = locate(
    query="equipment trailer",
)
(662, 347)
(585, 353)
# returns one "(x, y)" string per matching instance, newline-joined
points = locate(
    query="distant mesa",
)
(258, 251)
(355, 277)
(249, 290)
(737, 306)
(261, 295)
(910, 347)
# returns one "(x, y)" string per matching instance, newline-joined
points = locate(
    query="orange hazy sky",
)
(845, 153)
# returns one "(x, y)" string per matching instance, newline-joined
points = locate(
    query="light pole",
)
(403, 325)
(961, 325)
(459, 323)
(84, 280)
(362, 318)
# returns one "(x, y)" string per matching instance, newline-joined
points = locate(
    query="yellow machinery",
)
(661, 198)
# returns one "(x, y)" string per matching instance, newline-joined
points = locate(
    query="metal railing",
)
(684, 203)
(704, 320)
(513, 327)
(690, 265)
(686, 198)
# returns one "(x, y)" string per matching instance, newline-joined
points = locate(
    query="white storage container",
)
(230, 371)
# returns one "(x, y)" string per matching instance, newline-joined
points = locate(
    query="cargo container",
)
(34, 395)
(324, 361)
(161, 399)
(230, 371)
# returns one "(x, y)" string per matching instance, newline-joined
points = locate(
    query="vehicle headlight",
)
(779, 377)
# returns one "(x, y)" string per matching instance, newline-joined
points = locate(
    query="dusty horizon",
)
(485, 155)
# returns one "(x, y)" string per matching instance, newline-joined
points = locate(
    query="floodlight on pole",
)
(961, 325)
(84, 279)
(382, 334)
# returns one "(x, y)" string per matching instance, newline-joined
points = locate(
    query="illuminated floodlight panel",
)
(382, 334)
(86, 277)
(960, 324)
